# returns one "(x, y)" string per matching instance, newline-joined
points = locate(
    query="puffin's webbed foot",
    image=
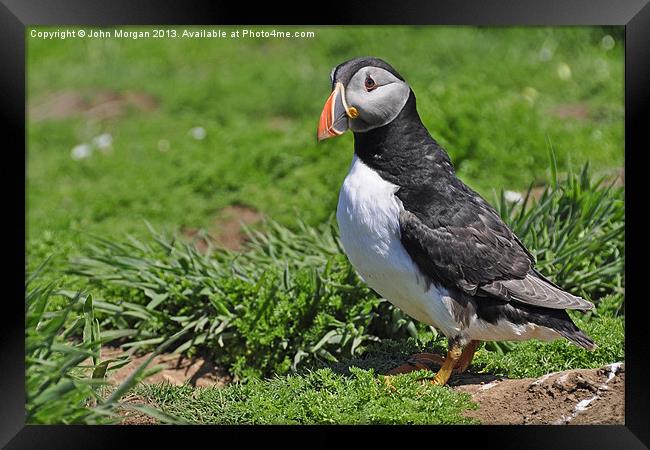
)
(457, 361)
(453, 355)
(466, 357)
(419, 361)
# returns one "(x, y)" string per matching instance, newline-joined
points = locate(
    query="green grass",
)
(319, 397)
(575, 230)
(292, 299)
(65, 377)
(289, 316)
(350, 392)
(487, 94)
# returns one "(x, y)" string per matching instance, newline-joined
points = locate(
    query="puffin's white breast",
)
(368, 218)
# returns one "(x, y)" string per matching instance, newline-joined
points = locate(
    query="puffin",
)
(423, 239)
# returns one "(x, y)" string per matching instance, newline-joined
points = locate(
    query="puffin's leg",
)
(418, 362)
(466, 356)
(453, 355)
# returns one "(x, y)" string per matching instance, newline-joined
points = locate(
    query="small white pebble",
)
(530, 94)
(489, 385)
(198, 133)
(163, 145)
(513, 197)
(564, 71)
(563, 420)
(103, 141)
(562, 378)
(613, 369)
(545, 54)
(541, 380)
(582, 405)
(81, 151)
(607, 42)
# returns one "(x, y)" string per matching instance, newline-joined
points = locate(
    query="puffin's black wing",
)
(457, 238)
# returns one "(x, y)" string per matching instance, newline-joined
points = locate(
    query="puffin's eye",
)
(370, 83)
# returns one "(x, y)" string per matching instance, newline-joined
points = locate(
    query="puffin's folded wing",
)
(535, 291)
(469, 251)
(481, 256)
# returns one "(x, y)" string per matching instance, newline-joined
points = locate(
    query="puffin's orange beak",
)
(334, 118)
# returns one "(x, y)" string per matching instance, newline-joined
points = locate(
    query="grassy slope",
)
(484, 93)
(262, 337)
(292, 297)
(351, 392)
(320, 397)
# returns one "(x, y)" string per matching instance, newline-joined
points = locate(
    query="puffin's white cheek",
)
(366, 104)
(354, 99)
(379, 108)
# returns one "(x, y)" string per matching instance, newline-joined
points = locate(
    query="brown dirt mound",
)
(581, 396)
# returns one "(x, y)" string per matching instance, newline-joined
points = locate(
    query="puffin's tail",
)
(560, 321)
(578, 337)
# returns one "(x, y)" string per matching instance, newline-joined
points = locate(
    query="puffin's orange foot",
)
(456, 362)
(420, 361)
(466, 357)
(453, 355)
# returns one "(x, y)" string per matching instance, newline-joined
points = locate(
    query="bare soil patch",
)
(178, 369)
(226, 228)
(580, 396)
(131, 417)
(578, 111)
(575, 397)
(279, 123)
(91, 104)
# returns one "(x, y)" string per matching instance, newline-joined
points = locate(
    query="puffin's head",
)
(366, 93)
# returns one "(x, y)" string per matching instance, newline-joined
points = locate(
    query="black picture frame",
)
(16, 15)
